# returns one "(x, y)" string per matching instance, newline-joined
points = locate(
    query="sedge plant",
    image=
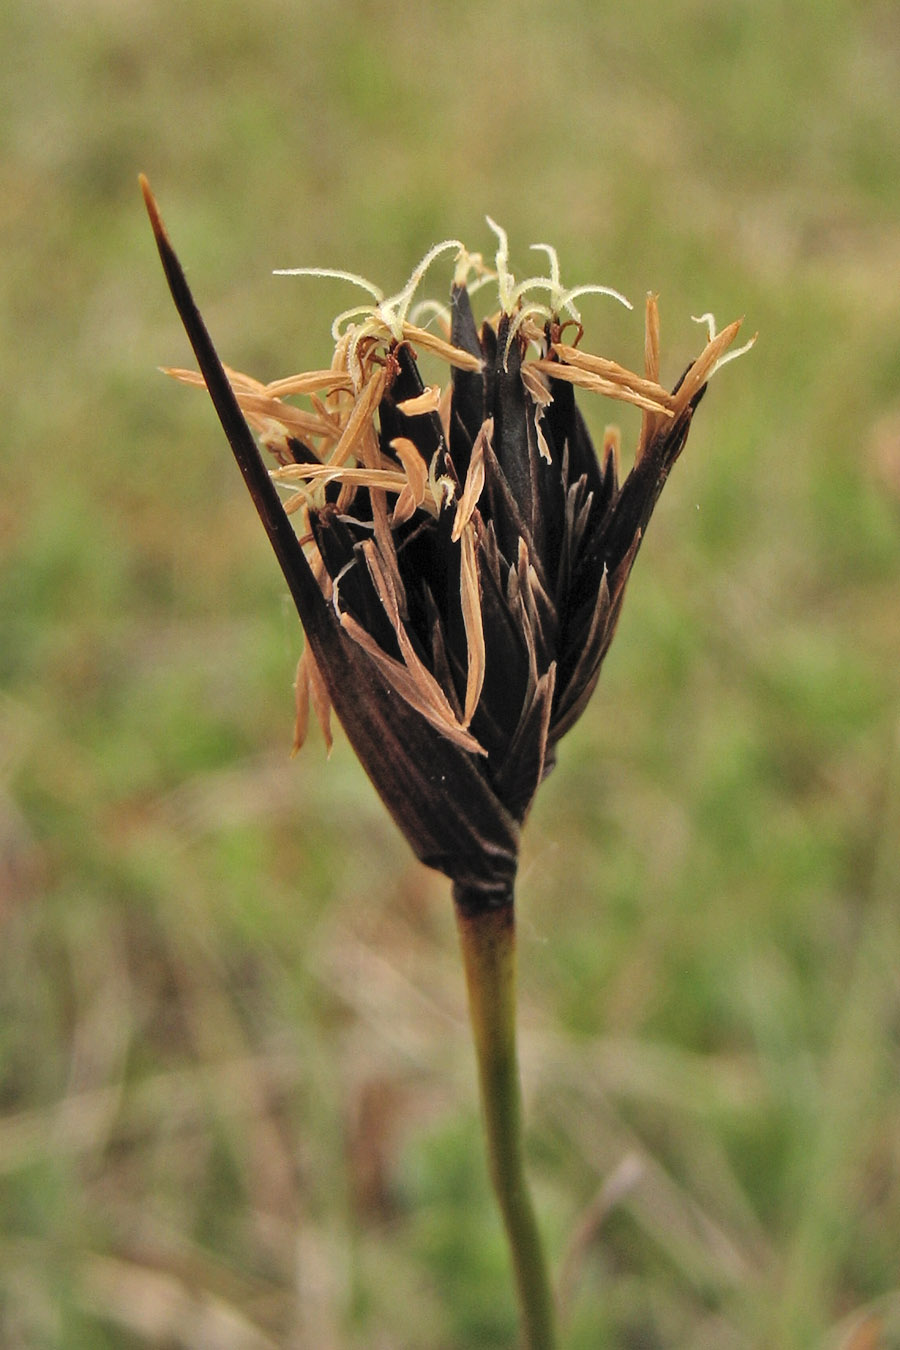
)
(458, 557)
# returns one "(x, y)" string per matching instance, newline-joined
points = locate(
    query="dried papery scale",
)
(458, 556)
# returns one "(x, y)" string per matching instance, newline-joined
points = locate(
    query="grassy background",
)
(237, 1101)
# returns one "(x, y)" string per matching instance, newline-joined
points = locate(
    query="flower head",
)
(460, 552)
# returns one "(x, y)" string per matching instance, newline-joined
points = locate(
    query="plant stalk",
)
(488, 941)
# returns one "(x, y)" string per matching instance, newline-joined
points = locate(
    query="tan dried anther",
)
(699, 373)
(650, 420)
(428, 401)
(474, 483)
(263, 406)
(355, 438)
(309, 688)
(388, 480)
(312, 382)
(412, 493)
(470, 601)
(625, 380)
(454, 356)
(597, 375)
(651, 338)
(536, 387)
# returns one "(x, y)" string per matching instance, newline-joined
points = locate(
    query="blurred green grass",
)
(237, 1104)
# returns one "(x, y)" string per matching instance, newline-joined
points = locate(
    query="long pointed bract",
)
(243, 444)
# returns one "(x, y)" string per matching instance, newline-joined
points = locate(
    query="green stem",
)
(488, 941)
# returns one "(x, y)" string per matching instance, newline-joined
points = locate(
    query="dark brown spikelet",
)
(464, 552)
